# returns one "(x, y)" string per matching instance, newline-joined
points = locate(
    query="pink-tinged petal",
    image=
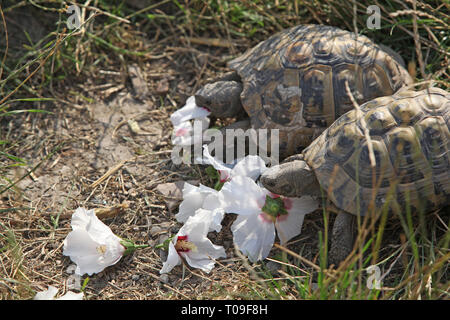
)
(250, 166)
(242, 195)
(179, 132)
(253, 236)
(205, 251)
(290, 225)
(186, 133)
(201, 251)
(224, 175)
(173, 259)
(303, 205)
(188, 112)
(182, 134)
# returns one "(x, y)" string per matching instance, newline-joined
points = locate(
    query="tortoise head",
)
(222, 98)
(291, 179)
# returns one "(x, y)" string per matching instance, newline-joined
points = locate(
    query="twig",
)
(215, 42)
(295, 255)
(7, 43)
(417, 42)
(110, 172)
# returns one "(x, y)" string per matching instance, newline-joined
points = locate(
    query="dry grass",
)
(50, 160)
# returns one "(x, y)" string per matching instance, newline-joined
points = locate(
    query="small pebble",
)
(155, 230)
(135, 277)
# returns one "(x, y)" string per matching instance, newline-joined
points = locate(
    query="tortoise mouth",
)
(201, 99)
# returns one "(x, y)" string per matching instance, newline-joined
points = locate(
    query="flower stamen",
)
(101, 249)
(183, 245)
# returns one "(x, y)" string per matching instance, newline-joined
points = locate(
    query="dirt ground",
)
(88, 136)
(80, 142)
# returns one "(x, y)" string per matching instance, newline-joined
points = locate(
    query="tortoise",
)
(410, 135)
(294, 82)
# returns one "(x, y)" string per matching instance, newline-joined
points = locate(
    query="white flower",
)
(260, 214)
(203, 197)
(250, 166)
(91, 244)
(191, 244)
(184, 133)
(50, 294)
(188, 112)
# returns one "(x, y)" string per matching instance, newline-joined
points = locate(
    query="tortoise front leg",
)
(342, 237)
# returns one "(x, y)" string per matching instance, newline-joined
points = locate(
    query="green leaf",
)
(130, 246)
(85, 282)
(165, 244)
(11, 157)
(22, 111)
(212, 173)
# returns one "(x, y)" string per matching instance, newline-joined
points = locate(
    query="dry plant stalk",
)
(110, 172)
(104, 213)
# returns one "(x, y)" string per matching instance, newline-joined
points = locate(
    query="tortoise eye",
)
(269, 182)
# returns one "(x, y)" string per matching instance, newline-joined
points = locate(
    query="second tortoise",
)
(410, 135)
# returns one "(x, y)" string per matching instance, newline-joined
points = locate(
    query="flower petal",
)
(99, 231)
(81, 218)
(242, 195)
(48, 294)
(78, 243)
(173, 259)
(250, 166)
(89, 255)
(254, 236)
(182, 134)
(193, 198)
(196, 229)
(225, 169)
(189, 111)
(303, 205)
(290, 225)
(212, 203)
(205, 255)
(197, 226)
(72, 296)
(186, 133)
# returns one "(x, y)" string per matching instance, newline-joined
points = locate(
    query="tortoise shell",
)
(295, 80)
(410, 135)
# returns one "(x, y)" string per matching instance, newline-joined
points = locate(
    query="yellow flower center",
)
(101, 249)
